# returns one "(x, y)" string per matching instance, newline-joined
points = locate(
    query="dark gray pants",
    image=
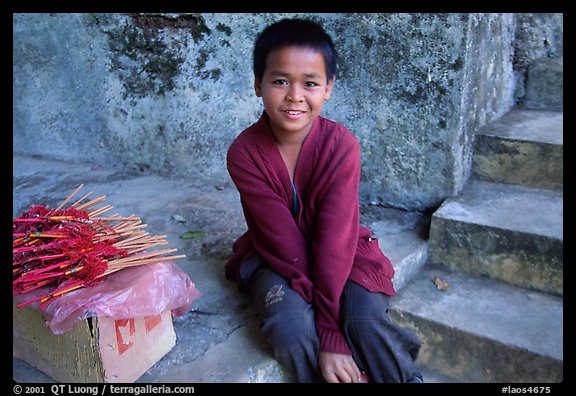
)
(381, 348)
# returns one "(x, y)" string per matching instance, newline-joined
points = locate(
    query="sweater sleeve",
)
(335, 244)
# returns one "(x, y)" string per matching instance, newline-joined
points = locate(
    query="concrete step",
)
(480, 330)
(243, 357)
(545, 84)
(505, 232)
(217, 340)
(402, 237)
(522, 147)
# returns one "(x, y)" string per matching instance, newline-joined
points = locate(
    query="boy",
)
(319, 280)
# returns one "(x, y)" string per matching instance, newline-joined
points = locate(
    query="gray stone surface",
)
(505, 232)
(517, 208)
(542, 126)
(478, 330)
(545, 84)
(522, 147)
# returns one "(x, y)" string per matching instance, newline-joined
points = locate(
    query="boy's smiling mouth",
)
(294, 114)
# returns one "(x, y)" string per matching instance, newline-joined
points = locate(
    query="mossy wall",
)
(167, 93)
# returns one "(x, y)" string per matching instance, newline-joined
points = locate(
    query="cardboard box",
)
(96, 350)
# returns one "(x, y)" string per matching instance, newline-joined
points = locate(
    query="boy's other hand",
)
(337, 367)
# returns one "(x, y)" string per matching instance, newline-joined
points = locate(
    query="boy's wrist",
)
(333, 341)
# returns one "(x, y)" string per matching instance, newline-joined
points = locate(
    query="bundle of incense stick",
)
(75, 246)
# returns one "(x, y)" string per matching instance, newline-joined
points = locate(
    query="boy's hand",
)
(336, 367)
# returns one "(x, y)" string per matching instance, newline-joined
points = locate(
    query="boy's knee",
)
(357, 301)
(292, 325)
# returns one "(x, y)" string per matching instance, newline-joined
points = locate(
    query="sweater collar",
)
(303, 167)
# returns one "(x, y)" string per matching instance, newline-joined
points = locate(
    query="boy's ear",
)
(329, 87)
(258, 87)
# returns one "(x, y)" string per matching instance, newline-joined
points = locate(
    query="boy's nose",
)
(294, 94)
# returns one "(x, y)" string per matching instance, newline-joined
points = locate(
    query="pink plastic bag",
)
(133, 292)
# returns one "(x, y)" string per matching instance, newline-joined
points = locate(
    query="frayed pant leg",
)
(385, 350)
(287, 324)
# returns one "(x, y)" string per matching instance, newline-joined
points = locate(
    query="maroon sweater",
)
(321, 247)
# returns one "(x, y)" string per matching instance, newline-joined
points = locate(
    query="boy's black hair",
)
(294, 32)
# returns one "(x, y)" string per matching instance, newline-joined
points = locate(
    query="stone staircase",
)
(488, 304)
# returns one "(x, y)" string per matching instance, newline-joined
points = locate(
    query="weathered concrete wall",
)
(538, 36)
(168, 93)
(414, 93)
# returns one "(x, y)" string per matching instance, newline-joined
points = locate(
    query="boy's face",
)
(293, 89)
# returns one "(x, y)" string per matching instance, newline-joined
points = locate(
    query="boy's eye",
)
(280, 82)
(311, 84)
